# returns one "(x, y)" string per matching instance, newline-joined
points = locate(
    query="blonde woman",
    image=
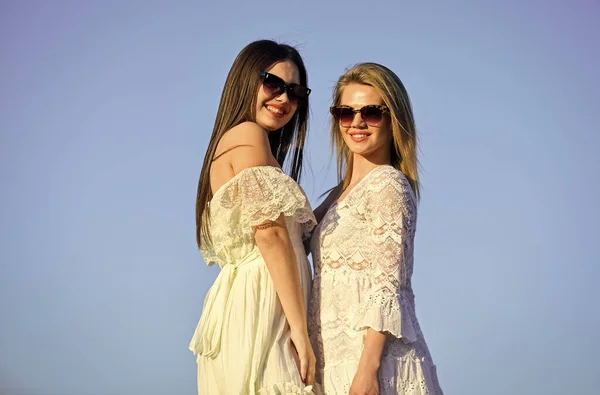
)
(362, 320)
(252, 336)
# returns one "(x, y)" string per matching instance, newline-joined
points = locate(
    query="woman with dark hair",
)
(362, 316)
(250, 220)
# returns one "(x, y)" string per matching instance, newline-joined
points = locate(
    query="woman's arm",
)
(274, 243)
(365, 380)
(373, 348)
(390, 214)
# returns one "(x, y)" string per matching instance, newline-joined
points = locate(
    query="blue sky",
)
(105, 113)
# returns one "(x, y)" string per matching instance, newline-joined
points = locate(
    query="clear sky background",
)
(106, 108)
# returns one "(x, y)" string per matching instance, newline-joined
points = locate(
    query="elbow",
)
(271, 237)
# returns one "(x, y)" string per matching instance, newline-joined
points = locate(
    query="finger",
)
(303, 369)
(311, 374)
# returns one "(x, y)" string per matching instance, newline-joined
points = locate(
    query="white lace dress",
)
(242, 341)
(363, 257)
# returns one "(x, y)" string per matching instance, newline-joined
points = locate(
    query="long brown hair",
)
(238, 104)
(404, 133)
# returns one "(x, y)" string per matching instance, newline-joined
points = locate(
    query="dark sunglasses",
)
(371, 114)
(275, 86)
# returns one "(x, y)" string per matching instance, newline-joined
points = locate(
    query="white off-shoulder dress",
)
(242, 341)
(363, 257)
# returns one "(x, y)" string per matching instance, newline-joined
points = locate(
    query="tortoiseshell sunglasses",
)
(371, 114)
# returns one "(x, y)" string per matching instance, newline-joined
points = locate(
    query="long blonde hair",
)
(404, 133)
(238, 104)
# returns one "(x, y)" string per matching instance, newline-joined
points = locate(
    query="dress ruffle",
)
(387, 312)
(252, 197)
(286, 389)
(265, 193)
(242, 342)
(404, 376)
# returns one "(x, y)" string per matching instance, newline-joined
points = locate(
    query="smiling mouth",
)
(275, 110)
(359, 136)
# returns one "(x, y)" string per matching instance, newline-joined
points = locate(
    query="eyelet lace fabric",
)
(363, 257)
(242, 341)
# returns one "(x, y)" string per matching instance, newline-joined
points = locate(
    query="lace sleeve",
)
(263, 193)
(389, 209)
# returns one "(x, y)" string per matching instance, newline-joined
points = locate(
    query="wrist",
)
(299, 330)
(369, 365)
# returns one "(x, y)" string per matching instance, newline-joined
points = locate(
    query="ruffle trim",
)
(257, 195)
(387, 313)
(399, 376)
(286, 389)
(209, 256)
(282, 196)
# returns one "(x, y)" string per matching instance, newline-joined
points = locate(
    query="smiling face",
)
(273, 112)
(373, 142)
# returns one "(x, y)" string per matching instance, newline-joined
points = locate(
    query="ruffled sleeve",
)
(389, 208)
(263, 193)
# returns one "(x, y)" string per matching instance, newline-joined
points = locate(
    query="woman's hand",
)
(365, 380)
(365, 383)
(306, 356)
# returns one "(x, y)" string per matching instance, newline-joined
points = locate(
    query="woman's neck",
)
(361, 166)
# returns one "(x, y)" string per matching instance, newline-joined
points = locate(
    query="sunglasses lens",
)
(371, 115)
(344, 115)
(272, 85)
(275, 86)
(297, 92)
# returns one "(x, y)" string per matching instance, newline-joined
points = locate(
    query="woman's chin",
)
(270, 125)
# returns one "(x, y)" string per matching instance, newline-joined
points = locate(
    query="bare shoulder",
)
(246, 145)
(243, 135)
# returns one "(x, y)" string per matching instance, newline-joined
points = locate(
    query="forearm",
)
(278, 253)
(370, 358)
